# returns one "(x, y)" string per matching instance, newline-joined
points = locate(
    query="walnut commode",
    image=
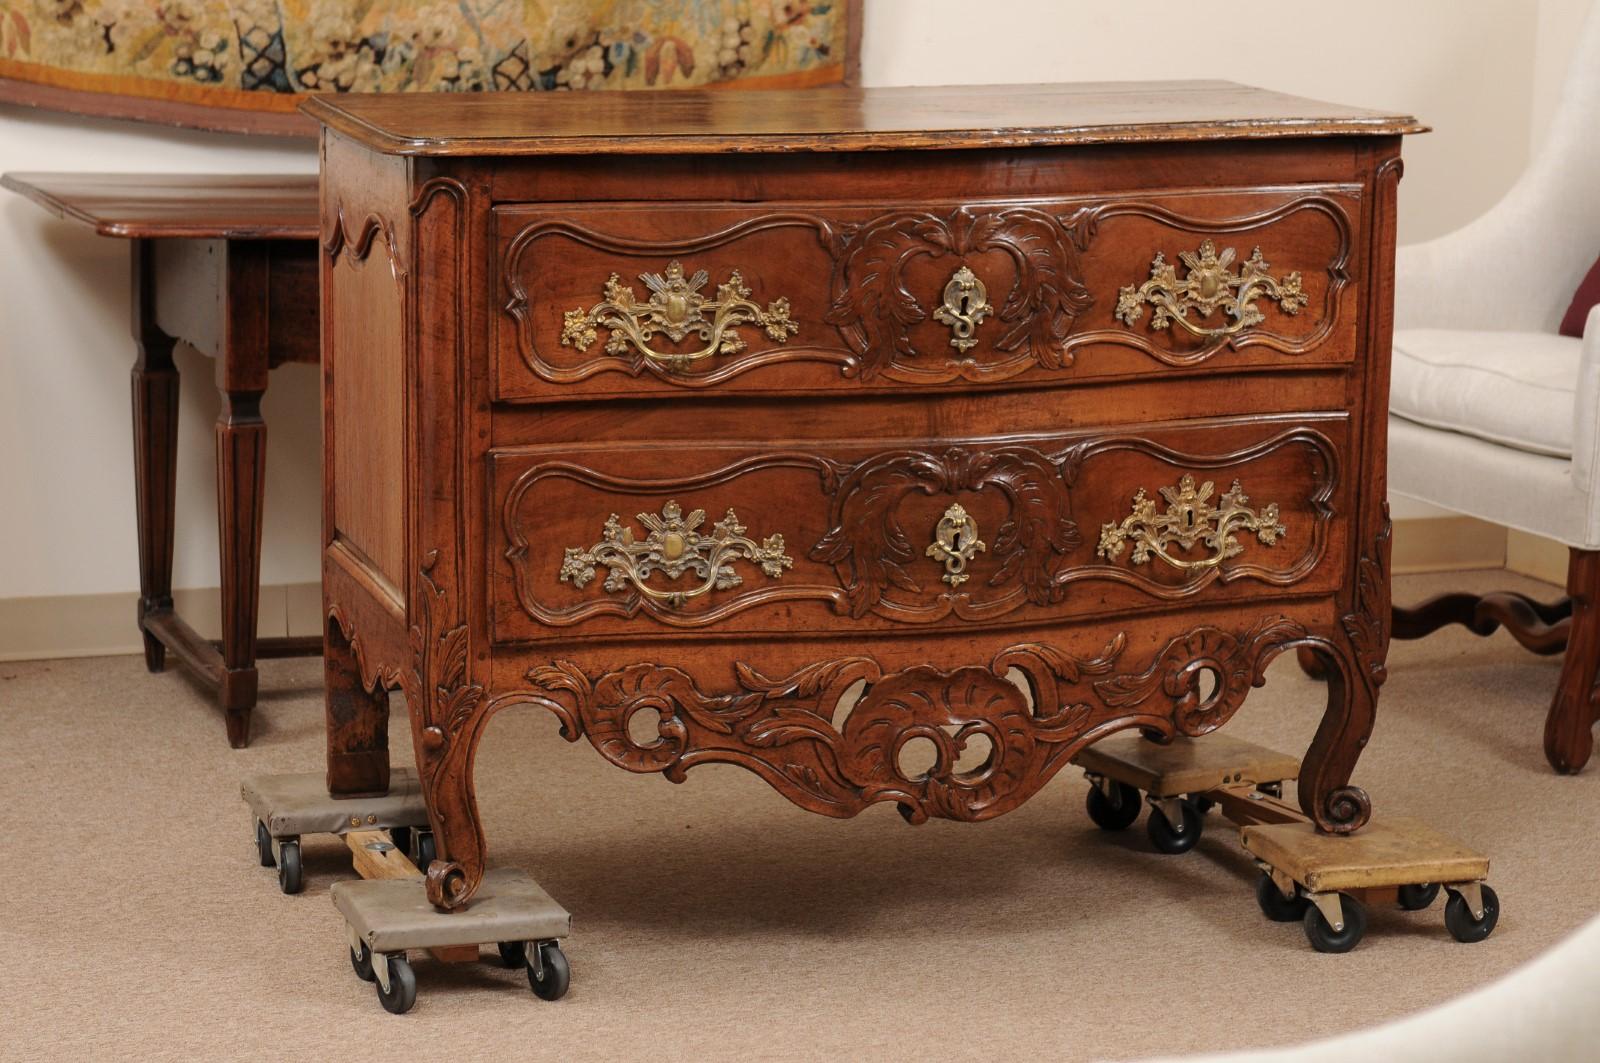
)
(895, 444)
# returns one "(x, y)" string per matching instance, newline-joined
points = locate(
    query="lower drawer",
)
(892, 535)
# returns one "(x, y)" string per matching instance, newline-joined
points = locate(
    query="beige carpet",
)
(715, 920)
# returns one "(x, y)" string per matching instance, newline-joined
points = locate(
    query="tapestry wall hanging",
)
(239, 65)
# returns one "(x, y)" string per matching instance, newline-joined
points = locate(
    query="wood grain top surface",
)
(194, 206)
(986, 116)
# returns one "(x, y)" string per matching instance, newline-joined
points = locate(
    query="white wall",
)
(1484, 74)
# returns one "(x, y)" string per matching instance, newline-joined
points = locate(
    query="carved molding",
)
(337, 240)
(869, 549)
(375, 675)
(784, 728)
(883, 569)
(874, 310)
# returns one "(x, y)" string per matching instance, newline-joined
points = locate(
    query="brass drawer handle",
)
(676, 308)
(1190, 518)
(675, 545)
(1209, 286)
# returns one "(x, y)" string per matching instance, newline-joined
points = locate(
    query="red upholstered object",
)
(1588, 295)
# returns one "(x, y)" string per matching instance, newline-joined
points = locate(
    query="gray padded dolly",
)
(387, 917)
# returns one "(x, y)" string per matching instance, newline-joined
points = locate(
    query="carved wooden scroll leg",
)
(446, 765)
(358, 723)
(1353, 660)
(155, 451)
(1326, 795)
(1569, 729)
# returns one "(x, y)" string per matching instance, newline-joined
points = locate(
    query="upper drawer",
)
(650, 300)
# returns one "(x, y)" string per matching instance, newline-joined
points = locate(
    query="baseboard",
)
(1533, 555)
(100, 625)
(1443, 544)
(103, 625)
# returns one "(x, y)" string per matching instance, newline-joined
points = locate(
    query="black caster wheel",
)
(1324, 938)
(1417, 896)
(1458, 917)
(1116, 811)
(1170, 838)
(552, 983)
(264, 845)
(402, 991)
(289, 879)
(513, 954)
(426, 850)
(401, 836)
(1277, 907)
(361, 962)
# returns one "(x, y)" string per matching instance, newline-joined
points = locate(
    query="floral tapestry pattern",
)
(259, 53)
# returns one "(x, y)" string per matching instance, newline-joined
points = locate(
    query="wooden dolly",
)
(1321, 880)
(386, 911)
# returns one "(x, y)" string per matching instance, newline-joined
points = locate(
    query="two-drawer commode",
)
(893, 444)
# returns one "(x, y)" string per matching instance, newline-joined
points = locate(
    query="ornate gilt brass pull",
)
(1208, 286)
(955, 542)
(676, 308)
(966, 304)
(1190, 518)
(675, 545)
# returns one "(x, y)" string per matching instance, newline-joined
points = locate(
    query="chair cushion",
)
(1511, 388)
(1583, 300)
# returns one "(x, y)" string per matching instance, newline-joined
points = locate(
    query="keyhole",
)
(956, 541)
(966, 305)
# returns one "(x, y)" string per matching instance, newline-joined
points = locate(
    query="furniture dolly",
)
(227, 265)
(1306, 876)
(386, 911)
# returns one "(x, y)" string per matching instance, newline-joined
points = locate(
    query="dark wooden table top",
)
(193, 206)
(837, 119)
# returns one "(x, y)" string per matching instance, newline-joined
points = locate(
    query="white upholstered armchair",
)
(1497, 416)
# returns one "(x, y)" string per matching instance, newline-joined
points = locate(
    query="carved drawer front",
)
(898, 535)
(673, 300)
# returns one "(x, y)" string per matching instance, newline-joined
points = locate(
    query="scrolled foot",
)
(1344, 811)
(447, 885)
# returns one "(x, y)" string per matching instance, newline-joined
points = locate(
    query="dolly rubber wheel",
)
(264, 845)
(1171, 838)
(1115, 811)
(402, 991)
(361, 963)
(1417, 896)
(1324, 938)
(513, 954)
(289, 878)
(1459, 921)
(552, 982)
(1277, 907)
(426, 850)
